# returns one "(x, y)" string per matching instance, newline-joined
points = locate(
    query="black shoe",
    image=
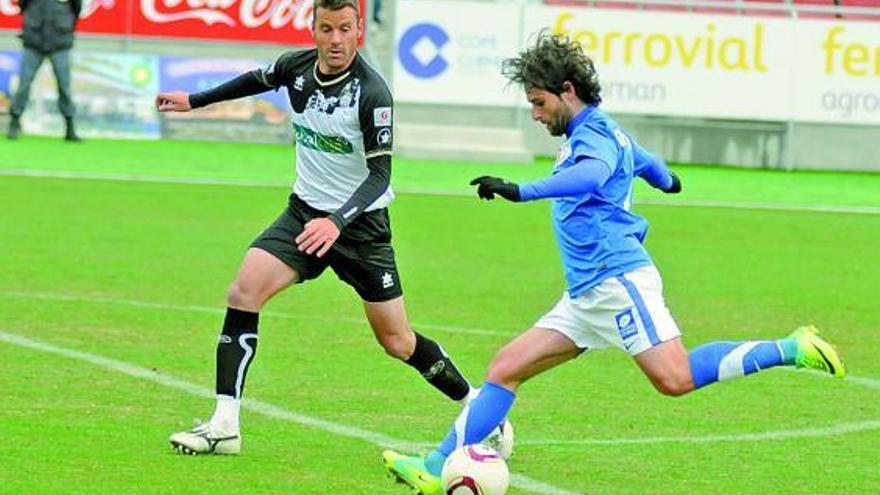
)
(70, 136)
(14, 128)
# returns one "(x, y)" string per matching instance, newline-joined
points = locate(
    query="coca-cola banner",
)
(286, 22)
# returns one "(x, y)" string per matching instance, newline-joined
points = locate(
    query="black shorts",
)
(362, 256)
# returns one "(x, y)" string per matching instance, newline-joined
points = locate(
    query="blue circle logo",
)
(419, 50)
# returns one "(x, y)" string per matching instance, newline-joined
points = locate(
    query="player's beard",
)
(560, 121)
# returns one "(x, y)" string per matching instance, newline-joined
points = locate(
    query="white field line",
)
(264, 408)
(827, 431)
(752, 205)
(748, 205)
(834, 430)
(838, 429)
(222, 311)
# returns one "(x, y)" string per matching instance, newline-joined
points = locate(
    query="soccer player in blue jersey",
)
(614, 294)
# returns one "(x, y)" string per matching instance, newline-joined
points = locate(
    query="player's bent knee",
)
(396, 346)
(240, 296)
(505, 371)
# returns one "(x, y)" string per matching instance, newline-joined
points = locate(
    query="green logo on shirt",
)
(317, 141)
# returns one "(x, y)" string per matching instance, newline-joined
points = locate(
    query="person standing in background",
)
(48, 32)
(377, 12)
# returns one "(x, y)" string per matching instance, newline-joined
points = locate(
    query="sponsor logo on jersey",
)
(320, 142)
(347, 98)
(299, 82)
(384, 136)
(382, 116)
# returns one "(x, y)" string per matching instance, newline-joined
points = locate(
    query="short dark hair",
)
(338, 5)
(552, 61)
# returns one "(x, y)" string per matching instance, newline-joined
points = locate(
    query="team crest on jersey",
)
(348, 97)
(384, 136)
(563, 153)
(382, 116)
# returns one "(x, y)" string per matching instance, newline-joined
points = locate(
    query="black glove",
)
(675, 188)
(490, 186)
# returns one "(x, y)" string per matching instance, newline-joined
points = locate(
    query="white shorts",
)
(626, 311)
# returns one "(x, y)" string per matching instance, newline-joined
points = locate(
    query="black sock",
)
(236, 350)
(436, 367)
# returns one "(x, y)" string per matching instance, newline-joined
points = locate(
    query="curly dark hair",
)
(552, 61)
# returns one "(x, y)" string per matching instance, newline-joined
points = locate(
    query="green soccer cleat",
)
(815, 353)
(412, 471)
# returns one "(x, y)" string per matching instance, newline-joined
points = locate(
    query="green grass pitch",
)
(135, 272)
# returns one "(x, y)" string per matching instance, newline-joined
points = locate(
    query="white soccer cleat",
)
(206, 439)
(501, 440)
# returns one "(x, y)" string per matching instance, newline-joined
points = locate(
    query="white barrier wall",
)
(669, 64)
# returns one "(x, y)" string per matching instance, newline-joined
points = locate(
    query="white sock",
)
(226, 413)
(472, 394)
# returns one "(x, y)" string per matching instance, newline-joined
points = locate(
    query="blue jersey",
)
(597, 233)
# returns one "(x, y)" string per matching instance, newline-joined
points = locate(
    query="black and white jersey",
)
(340, 122)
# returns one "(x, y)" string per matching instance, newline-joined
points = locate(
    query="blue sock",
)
(476, 422)
(718, 361)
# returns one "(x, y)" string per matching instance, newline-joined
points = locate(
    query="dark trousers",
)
(30, 62)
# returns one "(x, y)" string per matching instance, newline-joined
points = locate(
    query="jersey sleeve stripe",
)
(374, 154)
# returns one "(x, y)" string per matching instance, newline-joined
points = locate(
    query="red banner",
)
(97, 16)
(279, 21)
(285, 22)
(104, 16)
(9, 18)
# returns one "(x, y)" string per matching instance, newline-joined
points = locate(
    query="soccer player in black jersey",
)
(337, 215)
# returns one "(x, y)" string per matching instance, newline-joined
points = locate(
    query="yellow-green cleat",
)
(815, 353)
(412, 471)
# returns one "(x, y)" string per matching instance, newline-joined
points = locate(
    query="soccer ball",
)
(475, 470)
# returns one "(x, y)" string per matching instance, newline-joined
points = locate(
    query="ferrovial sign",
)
(447, 53)
(680, 64)
(671, 64)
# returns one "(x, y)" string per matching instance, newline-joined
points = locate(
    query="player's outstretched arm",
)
(584, 177)
(247, 84)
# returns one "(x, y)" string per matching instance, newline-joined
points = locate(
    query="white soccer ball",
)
(475, 470)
